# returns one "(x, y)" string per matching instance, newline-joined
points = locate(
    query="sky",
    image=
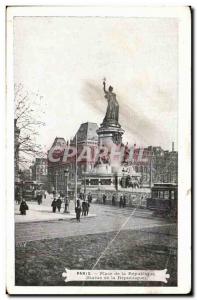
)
(65, 59)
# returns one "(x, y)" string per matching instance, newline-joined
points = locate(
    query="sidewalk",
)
(43, 212)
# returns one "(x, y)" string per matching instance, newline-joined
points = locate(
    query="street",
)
(108, 218)
(120, 238)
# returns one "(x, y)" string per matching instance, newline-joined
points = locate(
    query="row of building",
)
(161, 166)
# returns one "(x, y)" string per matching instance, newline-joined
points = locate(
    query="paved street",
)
(43, 212)
(108, 218)
(134, 239)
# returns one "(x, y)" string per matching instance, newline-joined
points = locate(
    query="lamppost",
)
(124, 185)
(56, 174)
(66, 173)
(151, 169)
(85, 185)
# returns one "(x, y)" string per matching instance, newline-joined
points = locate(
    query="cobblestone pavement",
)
(107, 219)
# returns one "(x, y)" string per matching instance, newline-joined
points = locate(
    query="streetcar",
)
(164, 198)
(28, 189)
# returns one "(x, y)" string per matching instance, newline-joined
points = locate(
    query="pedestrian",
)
(89, 198)
(104, 198)
(121, 202)
(54, 205)
(39, 197)
(87, 206)
(59, 203)
(78, 202)
(113, 200)
(23, 207)
(124, 201)
(83, 208)
(78, 212)
(17, 195)
(66, 203)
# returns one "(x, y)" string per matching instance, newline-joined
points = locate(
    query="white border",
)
(184, 144)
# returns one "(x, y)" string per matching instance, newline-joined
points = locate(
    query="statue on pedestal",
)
(112, 113)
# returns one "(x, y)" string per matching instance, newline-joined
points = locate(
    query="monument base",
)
(107, 136)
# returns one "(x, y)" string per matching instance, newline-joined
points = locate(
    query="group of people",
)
(122, 200)
(82, 206)
(82, 209)
(56, 204)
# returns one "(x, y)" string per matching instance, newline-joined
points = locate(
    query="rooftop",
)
(87, 132)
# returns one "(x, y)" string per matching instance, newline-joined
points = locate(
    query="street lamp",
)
(151, 167)
(56, 174)
(123, 178)
(66, 172)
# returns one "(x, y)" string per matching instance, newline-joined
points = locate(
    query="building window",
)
(166, 194)
(172, 194)
(94, 181)
(161, 194)
(155, 194)
(105, 181)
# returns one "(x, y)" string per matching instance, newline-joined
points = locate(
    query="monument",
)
(110, 131)
(107, 173)
(108, 170)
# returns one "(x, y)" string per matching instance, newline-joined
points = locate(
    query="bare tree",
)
(27, 121)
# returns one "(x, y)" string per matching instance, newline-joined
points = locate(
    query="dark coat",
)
(59, 202)
(54, 203)
(78, 212)
(78, 209)
(89, 198)
(23, 207)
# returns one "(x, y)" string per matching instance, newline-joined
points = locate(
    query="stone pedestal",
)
(108, 136)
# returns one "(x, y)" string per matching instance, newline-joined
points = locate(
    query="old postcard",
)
(98, 140)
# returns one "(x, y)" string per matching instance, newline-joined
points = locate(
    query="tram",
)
(164, 198)
(28, 189)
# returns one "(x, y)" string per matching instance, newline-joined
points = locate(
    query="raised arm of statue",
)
(104, 87)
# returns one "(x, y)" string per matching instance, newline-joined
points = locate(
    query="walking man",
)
(59, 203)
(39, 197)
(89, 198)
(78, 211)
(124, 201)
(83, 208)
(87, 207)
(113, 200)
(54, 205)
(121, 201)
(104, 198)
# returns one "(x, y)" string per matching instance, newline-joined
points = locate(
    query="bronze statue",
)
(112, 113)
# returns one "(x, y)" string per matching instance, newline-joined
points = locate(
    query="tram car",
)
(163, 199)
(28, 190)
